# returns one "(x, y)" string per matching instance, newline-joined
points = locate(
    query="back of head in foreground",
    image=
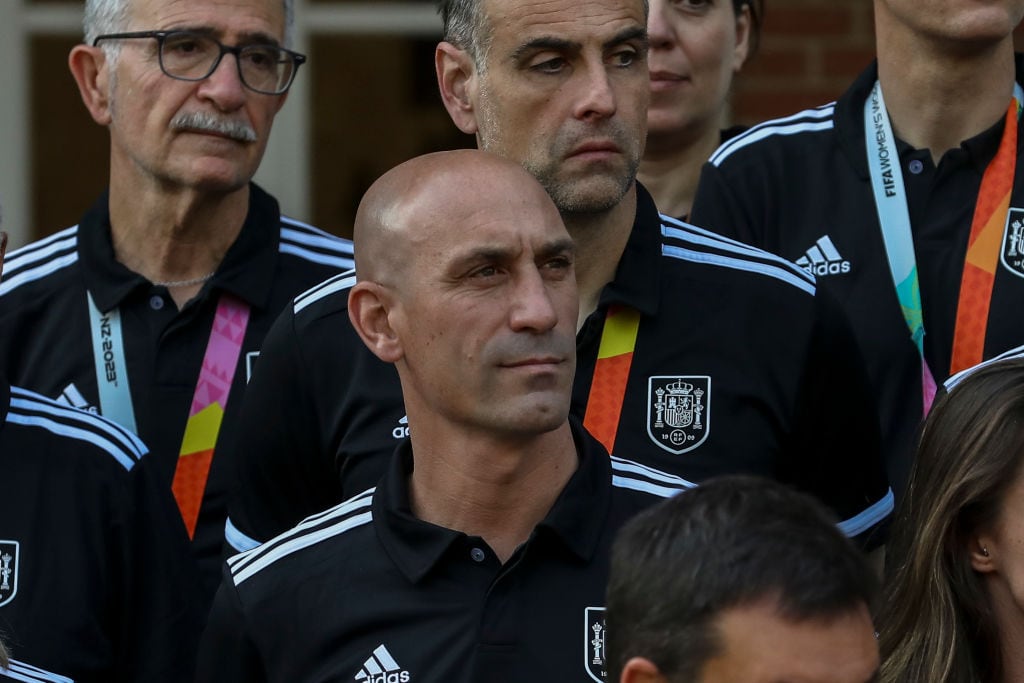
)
(702, 583)
(947, 595)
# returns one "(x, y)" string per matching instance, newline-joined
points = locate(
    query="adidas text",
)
(396, 677)
(823, 269)
(823, 259)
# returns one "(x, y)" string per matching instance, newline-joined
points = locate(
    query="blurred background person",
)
(954, 604)
(696, 49)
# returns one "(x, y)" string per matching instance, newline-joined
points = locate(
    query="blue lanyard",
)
(111, 367)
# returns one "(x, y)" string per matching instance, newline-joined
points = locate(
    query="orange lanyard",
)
(983, 248)
(611, 374)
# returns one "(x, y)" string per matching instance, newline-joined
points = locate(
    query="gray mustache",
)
(201, 121)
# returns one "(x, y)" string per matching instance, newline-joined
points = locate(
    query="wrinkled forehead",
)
(517, 219)
(520, 21)
(248, 18)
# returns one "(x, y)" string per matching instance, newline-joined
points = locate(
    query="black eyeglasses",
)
(191, 56)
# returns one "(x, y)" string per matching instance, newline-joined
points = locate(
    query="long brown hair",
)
(936, 623)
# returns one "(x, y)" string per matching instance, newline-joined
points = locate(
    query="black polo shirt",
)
(784, 394)
(366, 589)
(85, 593)
(47, 345)
(800, 187)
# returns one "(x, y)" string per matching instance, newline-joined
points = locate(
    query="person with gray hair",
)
(152, 310)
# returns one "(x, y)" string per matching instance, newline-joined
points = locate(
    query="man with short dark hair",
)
(696, 355)
(152, 310)
(739, 581)
(481, 555)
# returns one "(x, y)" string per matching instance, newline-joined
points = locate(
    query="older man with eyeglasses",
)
(152, 310)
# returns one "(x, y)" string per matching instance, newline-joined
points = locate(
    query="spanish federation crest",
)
(593, 643)
(1012, 253)
(9, 552)
(679, 411)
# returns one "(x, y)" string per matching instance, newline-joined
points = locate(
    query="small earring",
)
(984, 552)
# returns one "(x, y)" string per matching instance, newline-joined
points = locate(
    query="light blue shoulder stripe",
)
(20, 671)
(338, 283)
(819, 119)
(315, 256)
(869, 517)
(110, 437)
(240, 562)
(33, 274)
(632, 467)
(700, 236)
(30, 400)
(41, 250)
(299, 543)
(317, 239)
(627, 474)
(739, 264)
(954, 380)
(644, 486)
(236, 539)
(288, 220)
(75, 433)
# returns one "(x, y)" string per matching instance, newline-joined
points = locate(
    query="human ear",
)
(982, 551)
(90, 69)
(641, 670)
(369, 309)
(743, 36)
(456, 79)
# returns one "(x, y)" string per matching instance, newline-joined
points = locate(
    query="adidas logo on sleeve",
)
(823, 259)
(381, 667)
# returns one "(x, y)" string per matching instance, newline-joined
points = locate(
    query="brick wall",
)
(811, 50)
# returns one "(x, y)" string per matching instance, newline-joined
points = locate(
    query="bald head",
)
(406, 209)
(467, 284)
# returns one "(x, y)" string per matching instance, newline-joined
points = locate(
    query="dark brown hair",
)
(936, 622)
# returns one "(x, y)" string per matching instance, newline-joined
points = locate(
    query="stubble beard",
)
(594, 194)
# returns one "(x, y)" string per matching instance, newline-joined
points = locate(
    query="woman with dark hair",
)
(697, 46)
(954, 604)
